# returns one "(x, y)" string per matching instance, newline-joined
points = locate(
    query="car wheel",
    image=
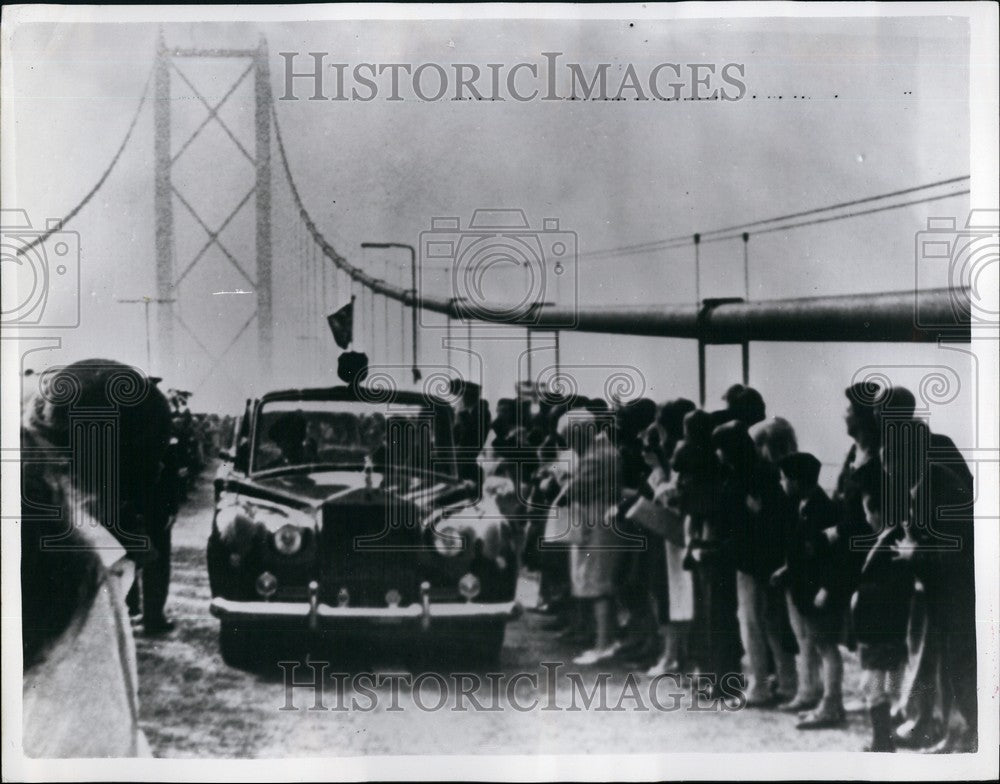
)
(238, 646)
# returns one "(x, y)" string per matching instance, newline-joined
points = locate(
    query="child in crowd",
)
(880, 610)
(814, 574)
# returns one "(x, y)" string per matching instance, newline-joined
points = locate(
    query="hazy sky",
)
(886, 108)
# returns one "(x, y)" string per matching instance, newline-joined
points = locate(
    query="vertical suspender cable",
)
(297, 323)
(447, 337)
(746, 296)
(371, 321)
(355, 322)
(385, 314)
(326, 289)
(402, 322)
(527, 329)
(697, 269)
(527, 351)
(366, 313)
(697, 299)
(311, 313)
(746, 266)
(307, 326)
(557, 334)
(317, 293)
(468, 348)
(360, 314)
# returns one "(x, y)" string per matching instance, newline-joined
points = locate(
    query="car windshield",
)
(350, 434)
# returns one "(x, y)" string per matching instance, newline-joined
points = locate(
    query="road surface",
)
(193, 705)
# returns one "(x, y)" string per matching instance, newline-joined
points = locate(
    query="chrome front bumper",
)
(316, 615)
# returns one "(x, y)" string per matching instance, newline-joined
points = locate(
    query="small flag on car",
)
(342, 325)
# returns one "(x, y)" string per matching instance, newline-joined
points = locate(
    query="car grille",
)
(367, 569)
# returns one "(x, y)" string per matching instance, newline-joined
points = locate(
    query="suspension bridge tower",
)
(170, 192)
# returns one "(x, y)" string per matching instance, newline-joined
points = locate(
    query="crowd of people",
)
(671, 538)
(688, 541)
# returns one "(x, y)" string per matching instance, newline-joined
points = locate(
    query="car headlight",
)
(288, 539)
(448, 541)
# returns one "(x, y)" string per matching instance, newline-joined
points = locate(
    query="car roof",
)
(375, 395)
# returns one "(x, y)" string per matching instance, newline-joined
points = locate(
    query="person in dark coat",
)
(920, 711)
(147, 598)
(760, 514)
(471, 428)
(731, 393)
(504, 423)
(638, 570)
(775, 439)
(863, 427)
(670, 420)
(748, 407)
(819, 578)
(899, 404)
(743, 404)
(880, 612)
(941, 547)
(714, 640)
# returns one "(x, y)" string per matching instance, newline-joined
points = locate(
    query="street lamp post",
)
(413, 283)
(147, 301)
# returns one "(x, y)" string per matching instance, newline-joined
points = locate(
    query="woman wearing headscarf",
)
(588, 501)
(657, 512)
(542, 552)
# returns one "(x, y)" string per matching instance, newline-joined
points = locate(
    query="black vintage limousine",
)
(339, 512)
